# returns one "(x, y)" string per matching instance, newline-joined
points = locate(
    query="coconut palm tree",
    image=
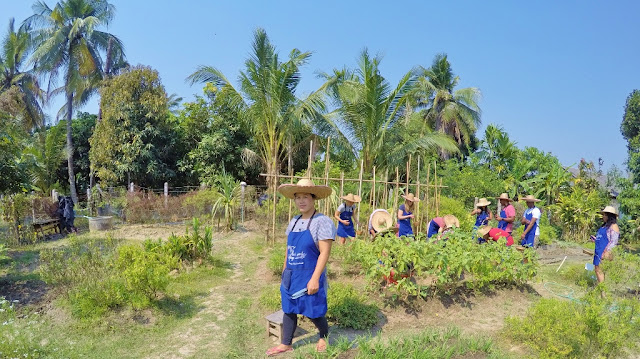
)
(17, 85)
(67, 40)
(453, 112)
(497, 150)
(371, 116)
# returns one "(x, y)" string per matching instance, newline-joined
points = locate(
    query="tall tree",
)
(16, 85)
(630, 129)
(497, 150)
(67, 40)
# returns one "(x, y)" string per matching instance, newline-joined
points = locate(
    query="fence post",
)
(166, 194)
(243, 185)
(131, 187)
(89, 200)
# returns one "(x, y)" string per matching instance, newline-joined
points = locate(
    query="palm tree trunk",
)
(107, 68)
(72, 176)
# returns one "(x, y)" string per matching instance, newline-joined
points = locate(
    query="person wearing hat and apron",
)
(482, 213)
(379, 221)
(344, 214)
(507, 215)
(606, 239)
(436, 225)
(531, 221)
(405, 213)
(450, 223)
(487, 232)
(303, 289)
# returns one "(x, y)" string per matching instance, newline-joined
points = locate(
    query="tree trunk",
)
(107, 69)
(72, 176)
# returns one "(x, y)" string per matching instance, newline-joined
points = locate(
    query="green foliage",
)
(623, 272)
(466, 181)
(14, 210)
(629, 220)
(229, 190)
(591, 328)
(457, 208)
(189, 247)
(18, 332)
(144, 272)
(497, 151)
(13, 166)
(348, 308)
(276, 259)
(270, 297)
(81, 130)
(630, 128)
(577, 213)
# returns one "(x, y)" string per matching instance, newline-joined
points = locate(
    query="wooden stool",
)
(274, 324)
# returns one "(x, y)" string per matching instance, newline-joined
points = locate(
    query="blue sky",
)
(554, 74)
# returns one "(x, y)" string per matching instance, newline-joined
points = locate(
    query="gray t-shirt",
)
(321, 228)
(344, 208)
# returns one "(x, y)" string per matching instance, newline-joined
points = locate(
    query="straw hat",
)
(451, 221)
(482, 202)
(351, 198)
(505, 196)
(529, 198)
(305, 185)
(411, 197)
(381, 221)
(610, 209)
(484, 230)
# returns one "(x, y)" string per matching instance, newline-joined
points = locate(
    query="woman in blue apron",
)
(482, 213)
(344, 214)
(530, 219)
(606, 239)
(507, 214)
(405, 213)
(304, 282)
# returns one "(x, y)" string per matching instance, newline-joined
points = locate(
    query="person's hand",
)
(522, 236)
(345, 222)
(411, 216)
(312, 286)
(592, 238)
(498, 218)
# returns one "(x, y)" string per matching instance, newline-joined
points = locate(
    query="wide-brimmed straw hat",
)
(351, 198)
(381, 221)
(529, 198)
(610, 209)
(484, 230)
(411, 197)
(504, 196)
(305, 185)
(483, 202)
(451, 221)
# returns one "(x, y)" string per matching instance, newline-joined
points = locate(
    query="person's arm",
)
(529, 226)
(337, 216)
(475, 211)
(325, 249)
(613, 234)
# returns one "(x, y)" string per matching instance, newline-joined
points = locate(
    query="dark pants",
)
(290, 323)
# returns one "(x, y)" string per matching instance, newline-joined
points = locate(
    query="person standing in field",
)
(303, 289)
(606, 239)
(405, 213)
(531, 221)
(482, 213)
(344, 214)
(507, 215)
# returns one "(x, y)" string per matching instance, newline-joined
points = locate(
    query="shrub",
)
(189, 247)
(145, 274)
(270, 298)
(347, 308)
(19, 334)
(276, 259)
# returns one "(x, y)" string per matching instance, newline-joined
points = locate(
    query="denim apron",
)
(531, 235)
(602, 240)
(503, 224)
(404, 225)
(346, 231)
(482, 219)
(302, 257)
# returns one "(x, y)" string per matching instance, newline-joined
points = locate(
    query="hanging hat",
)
(305, 185)
(411, 197)
(484, 230)
(505, 196)
(451, 221)
(610, 209)
(483, 202)
(351, 198)
(529, 198)
(381, 221)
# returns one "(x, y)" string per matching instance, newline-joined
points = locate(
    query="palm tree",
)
(497, 150)
(371, 116)
(17, 85)
(453, 112)
(67, 40)
(266, 98)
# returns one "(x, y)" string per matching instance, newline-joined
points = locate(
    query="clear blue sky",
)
(554, 74)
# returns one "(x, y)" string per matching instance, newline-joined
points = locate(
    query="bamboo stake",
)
(373, 189)
(385, 195)
(275, 192)
(326, 173)
(427, 190)
(341, 183)
(396, 194)
(408, 169)
(309, 174)
(360, 190)
(281, 176)
(439, 190)
(290, 201)
(435, 191)
(419, 221)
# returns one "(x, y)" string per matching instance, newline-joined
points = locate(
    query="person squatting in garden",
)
(405, 213)
(436, 225)
(606, 239)
(303, 289)
(489, 233)
(379, 221)
(507, 215)
(482, 213)
(344, 214)
(531, 221)
(451, 222)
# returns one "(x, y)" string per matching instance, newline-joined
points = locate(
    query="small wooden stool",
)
(274, 324)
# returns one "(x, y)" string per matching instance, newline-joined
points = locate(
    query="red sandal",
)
(277, 350)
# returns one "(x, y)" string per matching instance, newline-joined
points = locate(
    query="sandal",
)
(277, 350)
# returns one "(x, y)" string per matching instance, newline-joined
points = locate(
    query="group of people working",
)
(310, 235)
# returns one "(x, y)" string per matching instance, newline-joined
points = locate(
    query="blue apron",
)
(302, 257)
(346, 231)
(482, 219)
(503, 224)
(433, 228)
(531, 235)
(404, 225)
(602, 240)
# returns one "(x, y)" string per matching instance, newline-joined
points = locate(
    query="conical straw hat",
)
(484, 230)
(381, 221)
(529, 198)
(451, 221)
(351, 198)
(305, 185)
(482, 202)
(505, 196)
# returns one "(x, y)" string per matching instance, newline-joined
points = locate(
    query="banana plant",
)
(229, 193)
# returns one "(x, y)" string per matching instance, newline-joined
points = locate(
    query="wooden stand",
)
(274, 325)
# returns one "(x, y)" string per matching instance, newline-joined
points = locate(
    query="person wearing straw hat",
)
(303, 289)
(405, 213)
(531, 221)
(344, 214)
(436, 225)
(606, 239)
(488, 232)
(379, 221)
(507, 215)
(450, 223)
(482, 213)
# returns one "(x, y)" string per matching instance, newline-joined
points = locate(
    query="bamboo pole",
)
(406, 191)
(281, 176)
(439, 190)
(427, 190)
(291, 181)
(396, 194)
(435, 189)
(360, 191)
(275, 193)
(309, 173)
(341, 183)
(418, 219)
(373, 189)
(326, 173)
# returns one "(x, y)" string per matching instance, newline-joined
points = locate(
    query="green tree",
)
(81, 130)
(134, 141)
(14, 169)
(630, 129)
(67, 40)
(497, 151)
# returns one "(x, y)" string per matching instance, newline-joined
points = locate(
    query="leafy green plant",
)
(226, 203)
(270, 298)
(577, 213)
(21, 337)
(348, 308)
(276, 259)
(145, 274)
